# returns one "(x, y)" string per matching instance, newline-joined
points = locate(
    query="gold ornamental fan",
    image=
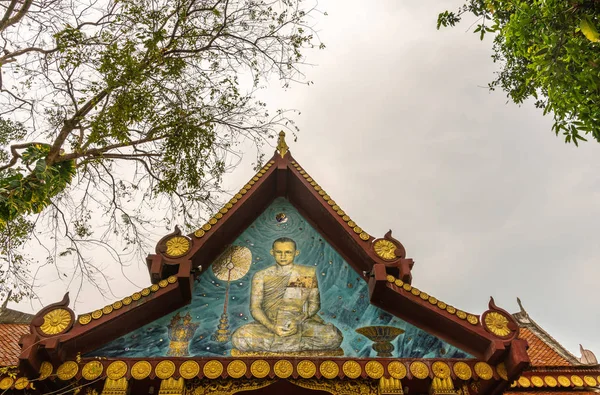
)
(233, 264)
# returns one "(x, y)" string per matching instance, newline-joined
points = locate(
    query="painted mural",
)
(280, 289)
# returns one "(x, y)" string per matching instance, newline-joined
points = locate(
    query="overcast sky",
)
(401, 131)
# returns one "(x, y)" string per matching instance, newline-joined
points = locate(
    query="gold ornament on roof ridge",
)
(282, 146)
(107, 310)
(306, 369)
(397, 370)
(116, 370)
(419, 370)
(461, 314)
(451, 309)
(212, 369)
(67, 370)
(189, 369)
(537, 381)
(140, 370)
(374, 369)
(329, 369)
(117, 305)
(56, 321)
(177, 246)
(283, 368)
(92, 370)
(524, 382)
(564, 381)
(550, 381)
(497, 324)
(577, 381)
(236, 369)
(84, 319)
(590, 381)
(472, 319)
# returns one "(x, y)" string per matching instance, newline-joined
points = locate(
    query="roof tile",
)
(540, 353)
(9, 342)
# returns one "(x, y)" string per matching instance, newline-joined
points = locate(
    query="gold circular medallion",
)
(116, 370)
(352, 369)
(163, 283)
(92, 370)
(577, 381)
(317, 188)
(127, 300)
(177, 246)
(67, 370)
(501, 369)
(484, 370)
(96, 314)
(172, 279)
(407, 287)
(385, 249)
(497, 324)
(224, 210)
(351, 224)
(441, 305)
(374, 369)
(206, 227)
(21, 383)
(537, 381)
(236, 369)
(590, 381)
(357, 229)
(390, 278)
(283, 368)
(550, 381)
(145, 291)
(415, 291)
(85, 319)
(440, 369)
(472, 319)
(199, 233)
(107, 309)
(433, 300)
(524, 382)
(218, 215)
(136, 296)
(164, 369)
(462, 371)
(329, 369)
(45, 370)
(238, 196)
(212, 369)
(213, 221)
(397, 370)
(364, 236)
(189, 369)
(154, 287)
(306, 369)
(6, 383)
(345, 218)
(399, 283)
(117, 305)
(419, 370)
(450, 309)
(564, 381)
(424, 296)
(140, 370)
(461, 314)
(260, 368)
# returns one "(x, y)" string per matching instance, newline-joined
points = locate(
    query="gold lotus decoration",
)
(385, 249)
(497, 324)
(55, 321)
(177, 246)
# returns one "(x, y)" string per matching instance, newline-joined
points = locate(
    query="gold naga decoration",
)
(92, 370)
(140, 370)
(56, 321)
(484, 370)
(67, 370)
(329, 369)
(352, 369)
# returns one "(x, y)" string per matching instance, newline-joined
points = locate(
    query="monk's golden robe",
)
(288, 300)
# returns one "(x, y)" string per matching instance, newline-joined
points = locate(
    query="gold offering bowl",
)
(381, 336)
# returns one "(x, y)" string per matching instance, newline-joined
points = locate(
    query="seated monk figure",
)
(284, 302)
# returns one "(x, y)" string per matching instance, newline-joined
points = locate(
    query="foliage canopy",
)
(106, 103)
(548, 50)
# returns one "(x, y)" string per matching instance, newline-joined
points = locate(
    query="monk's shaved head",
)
(285, 240)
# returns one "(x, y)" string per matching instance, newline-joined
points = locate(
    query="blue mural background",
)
(344, 300)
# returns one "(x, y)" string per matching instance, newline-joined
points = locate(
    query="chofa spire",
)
(282, 146)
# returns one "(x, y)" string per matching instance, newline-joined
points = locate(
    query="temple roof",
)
(9, 342)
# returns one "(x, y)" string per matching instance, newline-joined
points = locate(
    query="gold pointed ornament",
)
(282, 146)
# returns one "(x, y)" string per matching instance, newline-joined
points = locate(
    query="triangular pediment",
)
(319, 297)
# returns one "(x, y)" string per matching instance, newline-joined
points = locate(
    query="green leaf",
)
(589, 30)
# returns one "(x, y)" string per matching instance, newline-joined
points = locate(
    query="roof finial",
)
(282, 147)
